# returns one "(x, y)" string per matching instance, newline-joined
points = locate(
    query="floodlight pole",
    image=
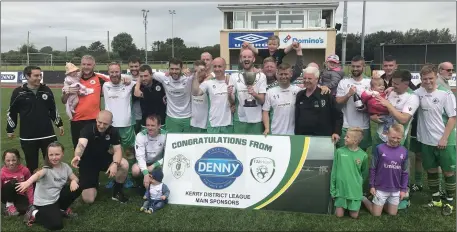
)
(145, 22)
(362, 49)
(172, 12)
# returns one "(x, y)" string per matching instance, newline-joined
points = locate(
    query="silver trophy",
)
(249, 79)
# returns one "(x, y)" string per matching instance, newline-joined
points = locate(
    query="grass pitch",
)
(107, 215)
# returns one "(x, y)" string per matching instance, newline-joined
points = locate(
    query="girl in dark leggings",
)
(12, 173)
(52, 196)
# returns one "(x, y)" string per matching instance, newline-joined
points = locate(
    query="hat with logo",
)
(334, 58)
(157, 175)
(69, 68)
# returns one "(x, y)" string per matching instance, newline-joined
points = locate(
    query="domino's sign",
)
(9, 77)
(258, 39)
(308, 39)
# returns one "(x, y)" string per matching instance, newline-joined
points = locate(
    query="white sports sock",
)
(8, 204)
(34, 212)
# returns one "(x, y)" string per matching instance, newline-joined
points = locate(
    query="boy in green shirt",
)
(350, 167)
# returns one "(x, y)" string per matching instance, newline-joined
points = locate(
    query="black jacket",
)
(152, 101)
(36, 112)
(317, 114)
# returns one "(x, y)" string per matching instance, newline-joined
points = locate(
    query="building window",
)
(239, 20)
(314, 18)
(291, 19)
(266, 20)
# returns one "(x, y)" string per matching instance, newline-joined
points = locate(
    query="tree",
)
(81, 51)
(124, 46)
(178, 42)
(23, 49)
(97, 48)
(46, 49)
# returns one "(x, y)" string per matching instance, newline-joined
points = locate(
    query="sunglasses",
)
(449, 70)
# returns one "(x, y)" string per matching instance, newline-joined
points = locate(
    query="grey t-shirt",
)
(47, 190)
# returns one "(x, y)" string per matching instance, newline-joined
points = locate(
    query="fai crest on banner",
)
(178, 165)
(262, 169)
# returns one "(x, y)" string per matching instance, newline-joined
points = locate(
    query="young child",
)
(373, 106)
(273, 51)
(12, 173)
(52, 195)
(158, 193)
(332, 75)
(388, 174)
(72, 80)
(350, 167)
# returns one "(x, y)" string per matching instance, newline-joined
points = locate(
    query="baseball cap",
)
(157, 175)
(334, 58)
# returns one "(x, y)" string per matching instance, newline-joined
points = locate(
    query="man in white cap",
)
(332, 75)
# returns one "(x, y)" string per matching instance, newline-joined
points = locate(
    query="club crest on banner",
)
(262, 169)
(178, 165)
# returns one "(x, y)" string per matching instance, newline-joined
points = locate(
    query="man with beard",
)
(178, 89)
(270, 67)
(134, 65)
(445, 70)
(247, 120)
(280, 104)
(219, 114)
(151, 95)
(389, 65)
(347, 88)
(118, 100)
(316, 114)
(89, 105)
(199, 119)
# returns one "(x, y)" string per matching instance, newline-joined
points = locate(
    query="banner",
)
(307, 39)
(8, 77)
(288, 173)
(22, 79)
(416, 77)
(258, 39)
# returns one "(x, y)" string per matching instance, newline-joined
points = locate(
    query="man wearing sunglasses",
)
(445, 71)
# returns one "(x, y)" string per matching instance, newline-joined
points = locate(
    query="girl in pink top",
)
(374, 107)
(12, 173)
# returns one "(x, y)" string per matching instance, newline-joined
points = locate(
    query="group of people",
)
(127, 139)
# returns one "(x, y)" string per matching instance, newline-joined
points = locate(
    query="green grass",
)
(107, 215)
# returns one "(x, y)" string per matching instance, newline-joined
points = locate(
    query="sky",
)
(197, 23)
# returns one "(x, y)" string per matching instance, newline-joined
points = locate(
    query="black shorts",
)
(89, 171)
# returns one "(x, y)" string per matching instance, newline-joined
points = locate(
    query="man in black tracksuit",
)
(316, 114)
(34, 102)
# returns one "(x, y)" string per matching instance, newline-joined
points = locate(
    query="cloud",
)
(197, 23)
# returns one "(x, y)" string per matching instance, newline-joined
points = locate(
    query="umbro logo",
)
(251, 38)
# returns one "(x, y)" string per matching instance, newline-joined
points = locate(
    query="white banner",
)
(308, 39)
(416, 78)
(9, 77)
(235, 171)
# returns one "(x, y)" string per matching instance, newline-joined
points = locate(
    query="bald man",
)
(445, 71)
(312, 64)
(220, 116)
(93, 155)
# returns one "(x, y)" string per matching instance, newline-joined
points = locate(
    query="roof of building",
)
(223, 7)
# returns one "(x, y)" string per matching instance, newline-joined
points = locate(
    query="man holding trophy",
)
(247, 91)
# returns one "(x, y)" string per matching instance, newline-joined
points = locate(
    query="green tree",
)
(124, 46)
(46, 49)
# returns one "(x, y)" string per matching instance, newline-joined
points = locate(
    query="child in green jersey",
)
(350, 168)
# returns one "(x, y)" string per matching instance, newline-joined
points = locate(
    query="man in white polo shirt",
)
(219, 115)
(347, 87)
(247, 120)
(199, 119)
(280, 104)
(118, 100)
(437, 134)
(178, 88)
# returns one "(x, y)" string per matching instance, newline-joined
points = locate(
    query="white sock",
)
(8, 204)
(34, 212)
